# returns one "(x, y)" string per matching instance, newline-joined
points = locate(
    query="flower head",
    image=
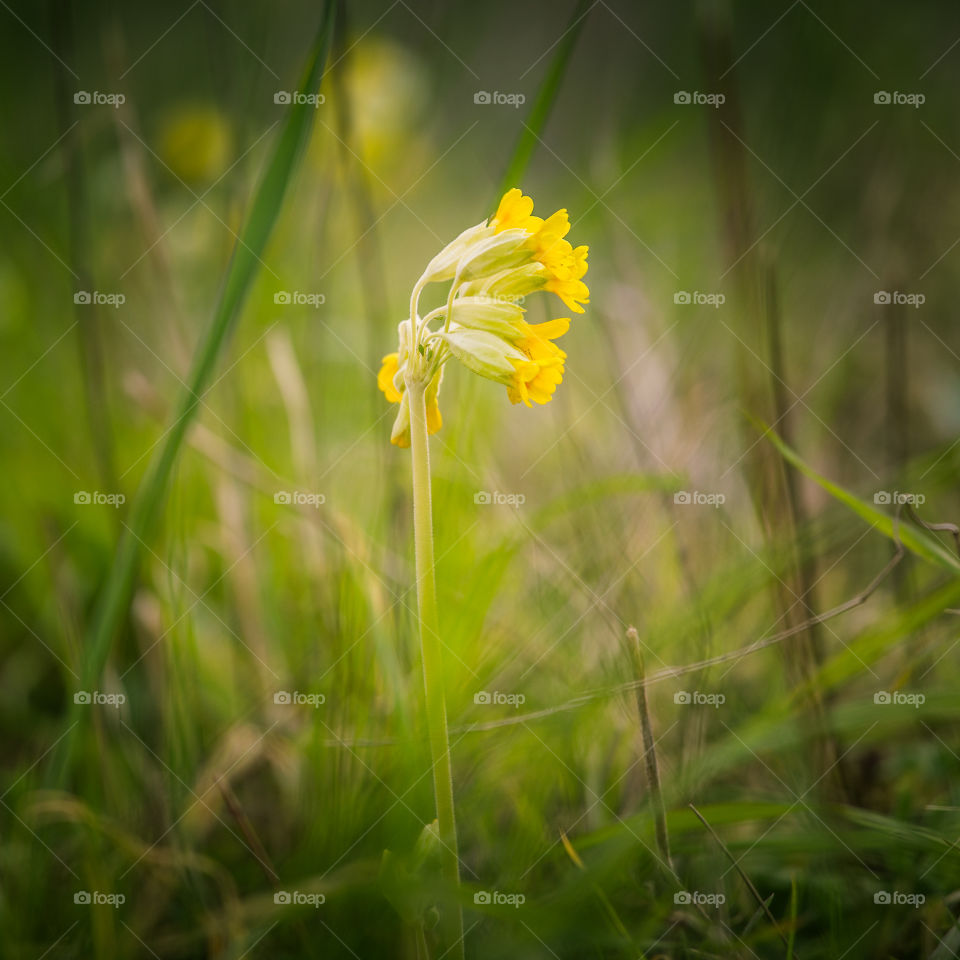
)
(491, 266)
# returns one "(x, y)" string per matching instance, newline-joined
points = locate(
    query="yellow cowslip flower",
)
(552, 263)
(518, 282)
(491, 266)
(537, 361)
(530, 367)
(536, 342)
(563, 266)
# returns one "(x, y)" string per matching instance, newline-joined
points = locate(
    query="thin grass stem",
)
(649, 750)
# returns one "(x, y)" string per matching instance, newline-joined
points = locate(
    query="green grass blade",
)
(876, 641)
(793, 916)
(916, 541)
(241, 271)
(543, 103)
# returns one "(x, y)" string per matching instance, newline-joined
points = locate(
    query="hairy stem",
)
(431, 651)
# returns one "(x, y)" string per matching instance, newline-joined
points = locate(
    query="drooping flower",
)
(491, 265)
(537, 362)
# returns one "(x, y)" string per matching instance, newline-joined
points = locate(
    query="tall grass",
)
(149, 501)
(608, 803)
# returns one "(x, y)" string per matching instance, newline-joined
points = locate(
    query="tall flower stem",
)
(432, 656)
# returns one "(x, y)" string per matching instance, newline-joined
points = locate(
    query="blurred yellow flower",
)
(388, 89)
(196, 142)
(491, 266)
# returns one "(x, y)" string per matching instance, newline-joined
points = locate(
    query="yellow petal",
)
(514, 210)
(571, 292)
(385, 378)
(542, 386)
(551, 330)
(400, 435)
(434, 420)
(551, 232)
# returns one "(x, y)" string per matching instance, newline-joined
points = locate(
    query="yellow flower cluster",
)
(560, 265)
(491, 265)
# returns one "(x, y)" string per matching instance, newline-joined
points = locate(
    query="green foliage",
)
(263, 787)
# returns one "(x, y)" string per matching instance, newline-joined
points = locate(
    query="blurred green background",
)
(779, 250)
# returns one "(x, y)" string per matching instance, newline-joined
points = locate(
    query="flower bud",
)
(487, 355)
(444, 265)
(500, 317)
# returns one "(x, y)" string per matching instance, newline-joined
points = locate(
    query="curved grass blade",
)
(241, 271)
(916, 541)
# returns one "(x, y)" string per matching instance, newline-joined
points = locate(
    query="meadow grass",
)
(638, 769)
